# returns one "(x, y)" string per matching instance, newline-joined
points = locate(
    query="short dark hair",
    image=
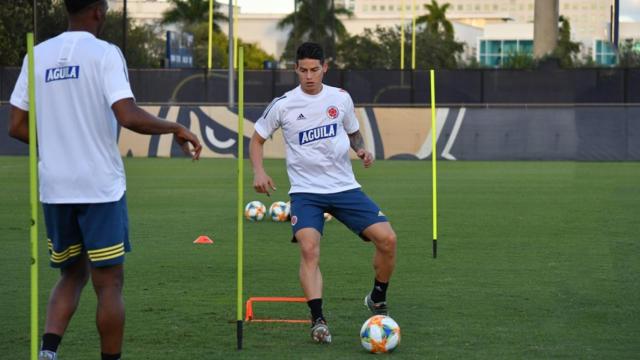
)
(76, 6)
(310, 50)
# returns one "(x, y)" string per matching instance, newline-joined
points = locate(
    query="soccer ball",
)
(327, 217)
(279, 211)
(380, 334)
(254, 211)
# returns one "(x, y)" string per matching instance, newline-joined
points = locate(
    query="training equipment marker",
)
(240, 190)
(33, 198)
(434, 155)
(209, 55)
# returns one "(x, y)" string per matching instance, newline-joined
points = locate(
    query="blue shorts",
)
(100, 230)
(352, 207)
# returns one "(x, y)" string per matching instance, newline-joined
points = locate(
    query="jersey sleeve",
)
(115, 76)
(350, 121)
(270, 120)
(20, 95)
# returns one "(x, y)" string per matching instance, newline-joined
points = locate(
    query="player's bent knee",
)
(309, 253)
(387, 242)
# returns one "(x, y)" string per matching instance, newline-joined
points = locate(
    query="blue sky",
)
(629, 10)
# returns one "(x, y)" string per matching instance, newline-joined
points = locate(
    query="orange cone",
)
(202, 239)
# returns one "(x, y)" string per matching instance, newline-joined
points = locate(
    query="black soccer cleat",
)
(320, 331)
(47, 355)
(376, 308)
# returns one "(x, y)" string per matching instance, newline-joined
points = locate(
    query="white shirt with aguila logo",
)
(315, 130)
(77, 79)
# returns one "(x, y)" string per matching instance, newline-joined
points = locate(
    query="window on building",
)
(494, 52)
(525, 46)
(604, 53)
(509, 47)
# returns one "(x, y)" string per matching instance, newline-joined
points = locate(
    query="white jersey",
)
(315, 129)
(78, 78)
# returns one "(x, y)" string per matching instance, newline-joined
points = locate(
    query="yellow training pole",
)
(434, 156)
(33, 198)
(235, 34)
(402, 37)
(240, 192)
(209, 57)
(413, 34)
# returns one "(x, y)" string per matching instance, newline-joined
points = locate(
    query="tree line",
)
(312, 20)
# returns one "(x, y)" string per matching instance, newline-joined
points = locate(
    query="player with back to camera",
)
(82, 88)
(319, 125)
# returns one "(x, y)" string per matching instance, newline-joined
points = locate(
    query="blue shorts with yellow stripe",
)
(100, 230)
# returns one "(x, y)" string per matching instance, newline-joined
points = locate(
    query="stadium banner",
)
(179, 50)
(587, 133)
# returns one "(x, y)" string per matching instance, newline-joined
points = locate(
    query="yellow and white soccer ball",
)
(380, 334)
(255, 211)
(327, 217)
(279, 211)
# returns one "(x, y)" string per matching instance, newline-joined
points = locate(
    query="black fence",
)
(389, 87)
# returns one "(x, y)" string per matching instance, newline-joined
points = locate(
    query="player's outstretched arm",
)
(136, 119)
(19, 124)
(357, 144)
(262, 182)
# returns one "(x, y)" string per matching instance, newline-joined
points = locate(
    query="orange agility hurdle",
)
(250, 315)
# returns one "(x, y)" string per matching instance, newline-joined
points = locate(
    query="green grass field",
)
(536, 260)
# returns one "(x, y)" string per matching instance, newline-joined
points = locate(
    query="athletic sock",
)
(111, 356)
(50, 342)
(379, 292)
(315, 305)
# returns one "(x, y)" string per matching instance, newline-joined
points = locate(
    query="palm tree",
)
(192, 12)
(436, 19)
(317, 21)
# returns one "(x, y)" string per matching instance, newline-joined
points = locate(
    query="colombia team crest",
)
(333, 112)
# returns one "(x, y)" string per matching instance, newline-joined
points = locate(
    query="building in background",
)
(150, 11)
(491, 30)
(507, 24)
(500, 41)
(589, 18)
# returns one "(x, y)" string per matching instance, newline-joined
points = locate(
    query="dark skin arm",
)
(19, 124)
(357, 144)
(130, 116)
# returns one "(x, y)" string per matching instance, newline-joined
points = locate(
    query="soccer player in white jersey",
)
(81, 83)
(319, 125)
